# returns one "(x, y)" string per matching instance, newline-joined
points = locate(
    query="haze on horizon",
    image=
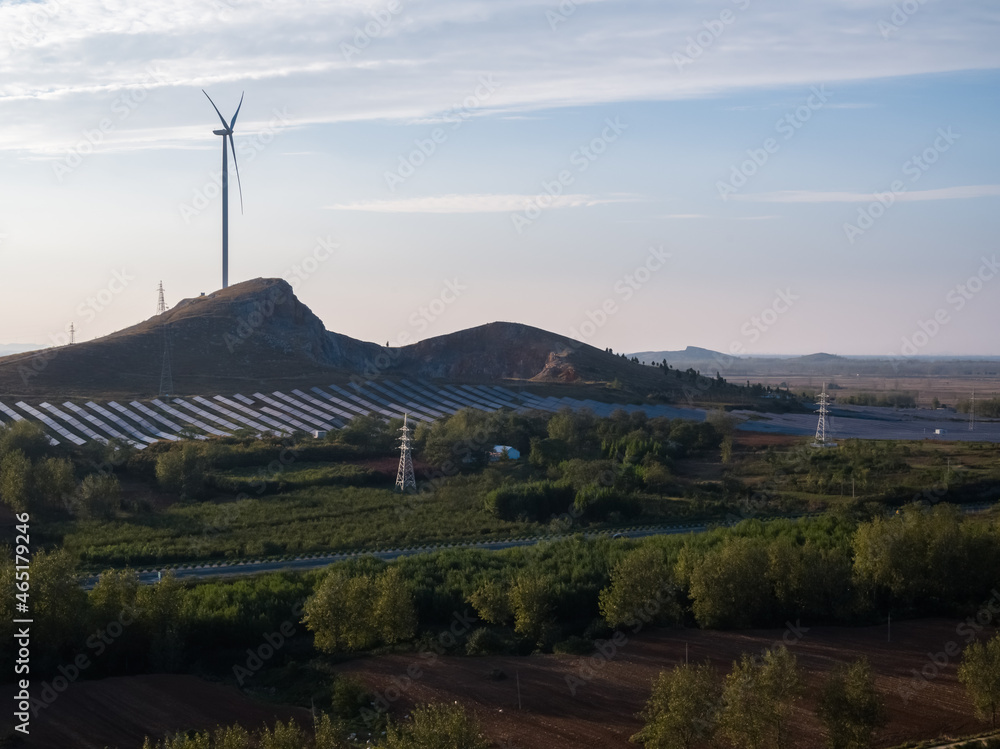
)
(643, 175)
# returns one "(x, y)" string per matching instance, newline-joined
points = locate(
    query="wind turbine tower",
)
(227, 132)
(405, 479)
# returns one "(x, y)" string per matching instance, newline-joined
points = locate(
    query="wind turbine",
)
(227, 132)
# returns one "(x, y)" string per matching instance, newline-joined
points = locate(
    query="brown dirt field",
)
(948, 389)
(121, 711)
(603, 711)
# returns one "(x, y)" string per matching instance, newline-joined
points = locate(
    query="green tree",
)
(979, 673)
(641, 591)
(681, 713)
(99, 496)
(851, 707)
(531, 601)
(435, 727)
(350, 612)
(182, 471)
(491, 601)
(757, 698)
(26, 437)
(726, 584)
(15, 480)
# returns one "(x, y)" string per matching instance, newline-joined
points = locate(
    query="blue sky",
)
(714, 167)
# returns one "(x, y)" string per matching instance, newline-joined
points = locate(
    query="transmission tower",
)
(404, 477)
(972, 412)
(161, 306)
(72, 334)
(821, 424)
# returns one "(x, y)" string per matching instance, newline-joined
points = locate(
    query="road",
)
(223, 569)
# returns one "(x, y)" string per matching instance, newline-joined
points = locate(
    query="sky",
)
(749, 176)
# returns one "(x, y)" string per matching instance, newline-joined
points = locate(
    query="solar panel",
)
(244, 420)
(102, 426)
(141, 421)
(181, 403)
(60, 430)
(73, 422)
(184, 418)
(279, 425)
(308, 408)
(120, 422)
(297, 413)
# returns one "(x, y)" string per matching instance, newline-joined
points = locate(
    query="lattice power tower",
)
(820, 440)
(405, 479)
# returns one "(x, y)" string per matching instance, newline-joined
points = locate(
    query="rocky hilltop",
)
(257, 334)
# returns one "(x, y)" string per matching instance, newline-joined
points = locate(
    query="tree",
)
(435, 727)
(979, 673)
(15, 478)
(99, 495)
(26, 437)
(182, 471)
(851, 707)
(726, 584)
(357, 612)
(756, 700)
(492, 602)
(682, 710)
(531, 601)
(641, 591)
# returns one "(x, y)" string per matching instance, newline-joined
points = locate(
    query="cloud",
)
(915, 196)
(63, 63)
(475, 203)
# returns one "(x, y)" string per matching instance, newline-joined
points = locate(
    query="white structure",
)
(404, 476)
(500, 450)
(820, 440)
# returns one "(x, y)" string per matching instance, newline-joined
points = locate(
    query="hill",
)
(258, 335)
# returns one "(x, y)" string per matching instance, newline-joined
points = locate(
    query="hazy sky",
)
(714, 167)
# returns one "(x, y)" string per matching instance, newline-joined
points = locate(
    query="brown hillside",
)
(258, 335)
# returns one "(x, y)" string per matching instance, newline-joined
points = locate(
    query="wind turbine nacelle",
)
(220, 132)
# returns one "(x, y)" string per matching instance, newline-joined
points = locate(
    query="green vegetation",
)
(979, 672)
(851, 707)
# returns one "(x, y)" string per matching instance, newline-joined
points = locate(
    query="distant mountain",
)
(17, 348)
(258, 335)
(733, 367)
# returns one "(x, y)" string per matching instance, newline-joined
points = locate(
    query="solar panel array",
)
(322, 408)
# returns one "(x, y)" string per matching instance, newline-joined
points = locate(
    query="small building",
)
(319, 434)
(502, 452)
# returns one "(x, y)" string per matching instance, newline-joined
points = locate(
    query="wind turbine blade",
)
(233, 123)
(216, 109)
(235, 164)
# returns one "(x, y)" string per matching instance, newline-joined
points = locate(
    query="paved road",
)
(223, 569)
(311, 563)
